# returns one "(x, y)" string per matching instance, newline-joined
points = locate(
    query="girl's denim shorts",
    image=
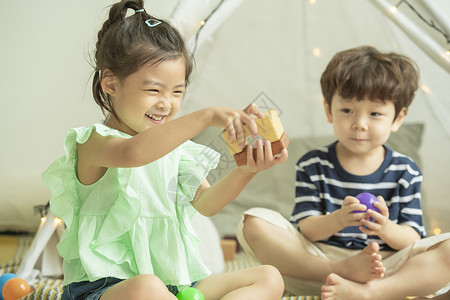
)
(87, 290)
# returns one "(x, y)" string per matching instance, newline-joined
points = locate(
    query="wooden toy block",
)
(228, 248)
(269, 128)
(277, 147)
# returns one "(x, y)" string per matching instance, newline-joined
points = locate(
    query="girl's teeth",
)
(155, 118)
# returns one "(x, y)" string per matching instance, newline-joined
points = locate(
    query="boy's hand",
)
(380, 220)
(264, 157)
(346, 214)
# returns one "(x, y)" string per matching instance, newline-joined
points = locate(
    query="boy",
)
(335, 251)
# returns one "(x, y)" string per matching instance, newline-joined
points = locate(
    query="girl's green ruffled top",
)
(133, 220)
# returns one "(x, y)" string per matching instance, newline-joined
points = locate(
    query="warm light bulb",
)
(437, 231)
(202, 22)
(312, 1)
(394, 9)
(425, 88)
(43, 219)
(448, 53)
(319, 97)
(316, 52)
(58, 220)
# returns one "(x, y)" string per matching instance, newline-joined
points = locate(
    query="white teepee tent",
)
(254, 50)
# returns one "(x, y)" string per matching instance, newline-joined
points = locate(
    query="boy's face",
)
(362, 126)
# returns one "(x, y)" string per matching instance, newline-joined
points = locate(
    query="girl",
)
(126, 189)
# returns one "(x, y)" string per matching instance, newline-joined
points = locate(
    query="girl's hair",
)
(125, 44)
(365, 72)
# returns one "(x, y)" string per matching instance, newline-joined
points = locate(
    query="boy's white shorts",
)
(392, 261)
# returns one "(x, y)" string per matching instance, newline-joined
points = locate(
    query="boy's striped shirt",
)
(322, 184)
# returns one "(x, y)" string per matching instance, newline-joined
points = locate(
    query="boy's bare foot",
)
(362, 267)
(337, 288)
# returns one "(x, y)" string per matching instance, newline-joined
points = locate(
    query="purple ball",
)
(368, 200)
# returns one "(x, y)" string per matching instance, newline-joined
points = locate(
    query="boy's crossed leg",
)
(281, 248)
(421, 275)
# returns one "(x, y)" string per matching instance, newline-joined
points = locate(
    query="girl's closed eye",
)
(152, 91)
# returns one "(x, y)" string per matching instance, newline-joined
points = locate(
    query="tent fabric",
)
(270, 52)
(264, 51)
(276, 54)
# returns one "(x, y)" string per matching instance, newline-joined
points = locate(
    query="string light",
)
(317, 52)
(43, 219)
(429, 23)
(425, 89)
(312, 1)
(437, 231)
(394, 9)
(203, 22)
(319, 98)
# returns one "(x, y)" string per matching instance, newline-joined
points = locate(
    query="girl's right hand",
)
(233, 121)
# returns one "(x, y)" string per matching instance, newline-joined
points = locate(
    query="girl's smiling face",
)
(149, 97)
(361, 127)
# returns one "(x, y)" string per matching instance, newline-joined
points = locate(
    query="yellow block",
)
(269, 128)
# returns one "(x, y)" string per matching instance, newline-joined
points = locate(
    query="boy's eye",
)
(152, 90)
(346, 110)
(375, 114)
(178, 92)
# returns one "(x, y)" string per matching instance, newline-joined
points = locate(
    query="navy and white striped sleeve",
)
(410, 212)
(307, 199)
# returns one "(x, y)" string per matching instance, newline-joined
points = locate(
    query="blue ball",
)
(3, 279)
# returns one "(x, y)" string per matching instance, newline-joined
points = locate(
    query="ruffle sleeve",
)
(195, 164)
(61, 179)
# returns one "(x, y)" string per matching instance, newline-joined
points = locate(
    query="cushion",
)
(274, 188)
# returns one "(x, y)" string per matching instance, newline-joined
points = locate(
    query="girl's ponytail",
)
(117, 14)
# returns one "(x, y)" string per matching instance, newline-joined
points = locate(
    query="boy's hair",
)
(125, 44)
(365, 72)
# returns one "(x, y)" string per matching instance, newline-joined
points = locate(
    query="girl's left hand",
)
(264, 157)
(380, 220)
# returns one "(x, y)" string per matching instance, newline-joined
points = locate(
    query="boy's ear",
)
(399, 120)
(328, 111)
(108, 82)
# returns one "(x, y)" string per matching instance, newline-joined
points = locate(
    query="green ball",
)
(190, 294)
